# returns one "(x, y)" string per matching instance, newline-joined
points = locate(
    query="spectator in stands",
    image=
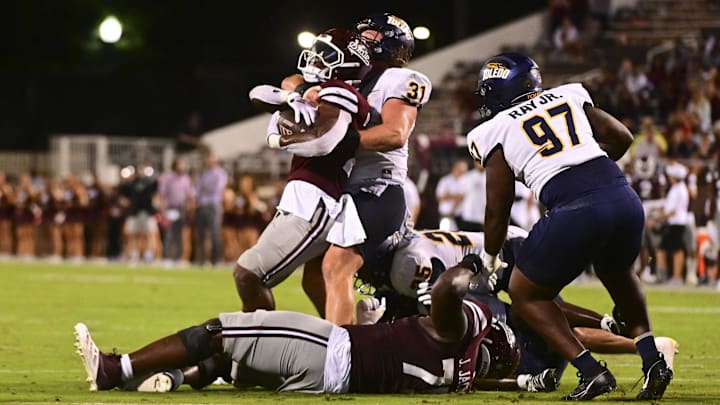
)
(254, 214)
(96, 217)
(209, 190)
(75, 202)
(230, 222)
(675, 217)
(699, 108)
(649, 141)
(636, 83)
(27, 216)
(663, 99)
(604, 91)
(566, 40)
(188, 136)
(7, 206)
(713, 96)
(472, 209)
(558, 10)
(50, 241)
(412, 198)
(449, 193)
(176, 192)
(141, 226)
(681, 144)
(707, 145)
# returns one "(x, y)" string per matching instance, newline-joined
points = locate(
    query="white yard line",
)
(684, 310)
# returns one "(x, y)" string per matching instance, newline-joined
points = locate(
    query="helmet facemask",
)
(326, 61)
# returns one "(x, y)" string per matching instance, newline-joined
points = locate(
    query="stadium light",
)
(305, 39)
(110, 30)
(421, 32)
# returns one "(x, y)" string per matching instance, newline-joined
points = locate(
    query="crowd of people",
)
(176, 218)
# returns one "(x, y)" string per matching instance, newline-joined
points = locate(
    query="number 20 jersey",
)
(540, 137)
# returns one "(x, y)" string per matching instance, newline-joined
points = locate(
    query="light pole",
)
(110, 30)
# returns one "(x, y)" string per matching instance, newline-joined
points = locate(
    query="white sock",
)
(126, 367)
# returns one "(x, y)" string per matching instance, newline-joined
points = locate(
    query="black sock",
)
(587, 364)
(645, 344)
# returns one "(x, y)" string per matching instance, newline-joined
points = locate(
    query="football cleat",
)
(163, 381)
(590, 387)
(546, 381)
(103, 370)
(657, 378)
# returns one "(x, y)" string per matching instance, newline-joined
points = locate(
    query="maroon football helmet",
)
(336, 54)
(499, 353)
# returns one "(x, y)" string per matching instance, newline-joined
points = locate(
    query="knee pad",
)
(196, 339)
(218, 365)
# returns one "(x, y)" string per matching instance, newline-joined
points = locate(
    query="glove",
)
(607, 323)
(370, 310)
(492, 263)
(487, 274)
(303, 110)
(424, 297)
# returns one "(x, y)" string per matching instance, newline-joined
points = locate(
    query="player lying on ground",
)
(299, 352)
(420, 256)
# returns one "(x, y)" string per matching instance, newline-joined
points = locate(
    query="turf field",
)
(128, 307)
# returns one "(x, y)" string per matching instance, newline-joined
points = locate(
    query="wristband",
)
(488, 260)
(471, 262)
(273, 140)
(303, 87)
(289, 95)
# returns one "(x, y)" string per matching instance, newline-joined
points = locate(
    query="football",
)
(287, 125)
(291, 132)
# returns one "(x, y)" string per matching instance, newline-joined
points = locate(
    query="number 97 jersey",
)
(540, 137)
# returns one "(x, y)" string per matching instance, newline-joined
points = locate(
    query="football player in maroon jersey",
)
(298, 352)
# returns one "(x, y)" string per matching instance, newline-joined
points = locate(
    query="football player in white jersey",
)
(556, 142)
(376, 180)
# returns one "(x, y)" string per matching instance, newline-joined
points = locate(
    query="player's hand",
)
(423, 295)
(485, 267)
(303, 110)
(370, 310)
(607, 323)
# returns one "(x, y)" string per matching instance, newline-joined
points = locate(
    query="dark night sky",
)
(176, 57)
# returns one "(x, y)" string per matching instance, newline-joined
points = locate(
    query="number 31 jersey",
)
(540, 137)
(371, 167)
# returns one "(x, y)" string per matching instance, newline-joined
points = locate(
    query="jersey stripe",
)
(314, 233)
(480, 320)
(262, 331)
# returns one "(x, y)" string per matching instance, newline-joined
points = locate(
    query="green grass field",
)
(128, 307)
